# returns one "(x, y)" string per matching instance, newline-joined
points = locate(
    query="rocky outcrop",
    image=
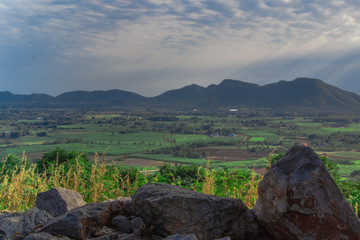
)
(298, 199)
(174, 210)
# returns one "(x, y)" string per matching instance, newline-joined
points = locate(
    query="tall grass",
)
(99, 181)
(19, 188)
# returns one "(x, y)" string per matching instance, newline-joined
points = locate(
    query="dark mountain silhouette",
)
(9, 98)
(299, 93)
(110, 97)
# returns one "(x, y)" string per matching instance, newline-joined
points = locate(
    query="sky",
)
(151, 46)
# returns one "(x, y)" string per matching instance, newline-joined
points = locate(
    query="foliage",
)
(332, 167)
(226, 182)
(182, 175)
(21, 181)
(19, 185)
(273, 158)
(98, 181)
(9, 165)
(351, 192)
(60, 156)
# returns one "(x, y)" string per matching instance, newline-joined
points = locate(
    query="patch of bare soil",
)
(343, 158)
(72, 132)
(33, 156)
(142, 162)
(136, 162)
(330, 155)
(228, 155)
(260, 171)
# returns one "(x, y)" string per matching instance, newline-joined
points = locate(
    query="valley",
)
(147, 139)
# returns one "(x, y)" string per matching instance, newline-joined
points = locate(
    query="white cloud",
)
(157, 35)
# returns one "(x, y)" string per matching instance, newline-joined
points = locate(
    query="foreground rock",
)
(298, 199)
(174, 210)
(14, 224)
(58, 201)
(83, 222)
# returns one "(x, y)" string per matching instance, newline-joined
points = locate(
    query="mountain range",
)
(299, 93)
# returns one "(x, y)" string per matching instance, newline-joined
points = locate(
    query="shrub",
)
(60, 156)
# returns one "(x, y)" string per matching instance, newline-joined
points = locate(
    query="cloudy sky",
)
(150, 46)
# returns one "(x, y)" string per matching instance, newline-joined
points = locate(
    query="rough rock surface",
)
(121, 223)
(58, 201)
(44, 236)
(181, 237)
(81, 222)
(32, 219)
(9, 225)
(174, 210)
(298, 199)
(15, 224)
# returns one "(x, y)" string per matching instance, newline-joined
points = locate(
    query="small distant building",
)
(233, 110)
(215, 135)
(195, 110)
(232, 135)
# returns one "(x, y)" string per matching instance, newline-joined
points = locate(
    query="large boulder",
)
(175, 210)
(58, 201)
(298, 199)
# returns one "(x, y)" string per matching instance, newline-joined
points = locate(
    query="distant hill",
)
(110, 97)
(299, 93)
(9, 98)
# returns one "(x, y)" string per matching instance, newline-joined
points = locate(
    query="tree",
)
(41, 134)
(14, 135)
(61, 156)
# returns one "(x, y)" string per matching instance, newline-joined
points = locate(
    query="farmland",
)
(240, 139)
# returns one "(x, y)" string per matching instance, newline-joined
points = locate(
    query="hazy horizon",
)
(81, 90)
(151, 46)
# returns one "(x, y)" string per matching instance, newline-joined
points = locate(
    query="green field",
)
(257, 139)
(171, 159)
(124, 134)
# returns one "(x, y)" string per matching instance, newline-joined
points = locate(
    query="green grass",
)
(251, 163)
(309, 124)
(190, 138)
(355, 155)
(352, 128)
(171, 159)
(29, 120)
(257, 139)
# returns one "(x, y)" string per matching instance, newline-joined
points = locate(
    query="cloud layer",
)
(151, 46)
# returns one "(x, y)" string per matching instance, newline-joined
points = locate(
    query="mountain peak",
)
(236, 83)
(299, 93)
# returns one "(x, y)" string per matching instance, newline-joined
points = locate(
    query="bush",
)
(181, 175)
(61, 156)
(355, 173)
(41, 134)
